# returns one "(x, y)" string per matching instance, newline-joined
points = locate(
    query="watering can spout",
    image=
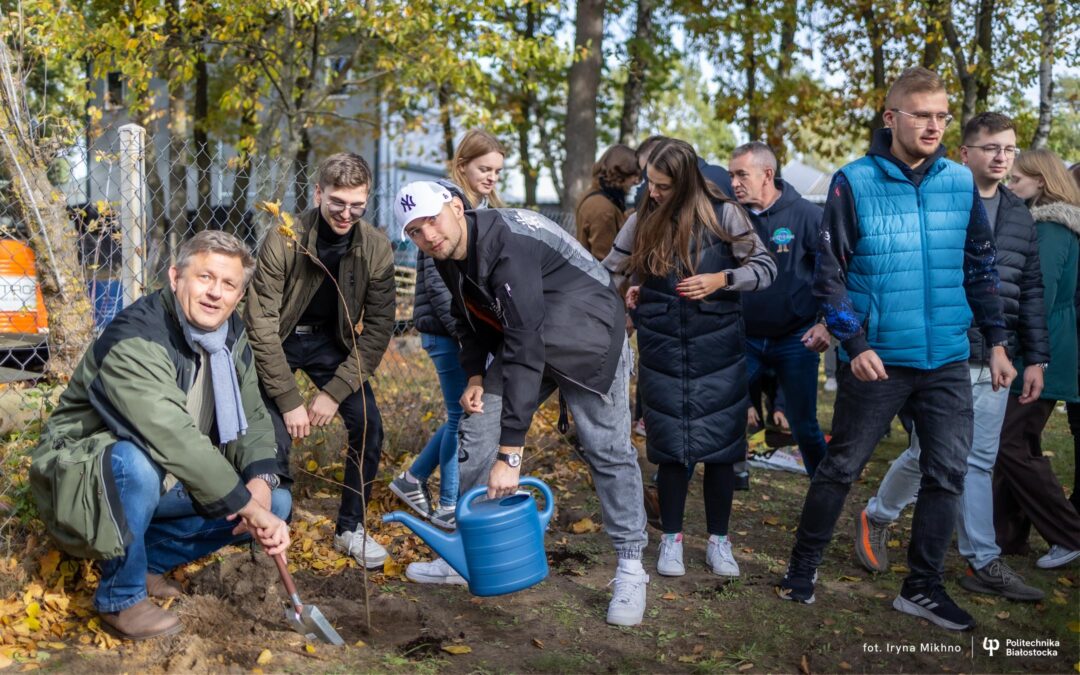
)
(448, 546)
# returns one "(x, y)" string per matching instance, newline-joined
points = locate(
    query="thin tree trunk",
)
(527, 102)
(203, 153)
(753, 120)
(1048, 26)
(175, 224)
(446, 121)
(636, 70)
(581, 101)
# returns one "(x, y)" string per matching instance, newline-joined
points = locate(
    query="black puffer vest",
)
(692, 370)
(1021, 287)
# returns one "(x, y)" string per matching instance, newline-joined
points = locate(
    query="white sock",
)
(718, 538)
(629, 566)
(409, 477)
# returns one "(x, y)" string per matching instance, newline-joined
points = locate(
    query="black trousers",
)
(1026, 491)
(318, 355)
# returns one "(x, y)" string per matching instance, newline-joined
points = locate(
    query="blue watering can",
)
(499, 544)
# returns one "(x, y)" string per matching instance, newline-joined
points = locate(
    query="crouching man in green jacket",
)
(161, 450)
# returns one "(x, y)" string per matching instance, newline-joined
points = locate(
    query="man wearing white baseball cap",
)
(528, 294)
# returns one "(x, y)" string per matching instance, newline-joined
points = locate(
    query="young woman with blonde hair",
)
(477, 166)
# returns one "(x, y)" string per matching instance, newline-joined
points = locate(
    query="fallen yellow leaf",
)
(265, 657)
(584, 525)
(670, 595)
(1074, 626)
(360, 643)
(48, 563)
(457, 649)
(309, 649)
(1002, 615)
(312, 465)
(1065, 581)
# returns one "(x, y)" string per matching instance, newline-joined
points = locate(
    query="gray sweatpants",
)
(603, 427)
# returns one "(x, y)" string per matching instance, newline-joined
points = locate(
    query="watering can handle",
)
(549, 499)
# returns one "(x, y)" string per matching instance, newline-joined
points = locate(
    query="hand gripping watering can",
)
(499, 543)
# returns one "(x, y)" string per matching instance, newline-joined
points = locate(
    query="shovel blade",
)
(318, 627)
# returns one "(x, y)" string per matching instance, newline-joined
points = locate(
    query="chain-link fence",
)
(132, 199)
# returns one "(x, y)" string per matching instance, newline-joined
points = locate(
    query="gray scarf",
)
(228, 406)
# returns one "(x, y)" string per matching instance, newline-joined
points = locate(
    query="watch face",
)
(515, 459)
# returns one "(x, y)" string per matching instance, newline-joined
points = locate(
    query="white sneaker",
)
(1057, 556)
(669, 563)
(627, 605)
(720, 559)
(830, 384)
(361, 546)
(438, 571)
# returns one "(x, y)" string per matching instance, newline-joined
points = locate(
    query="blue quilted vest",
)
(906, 278)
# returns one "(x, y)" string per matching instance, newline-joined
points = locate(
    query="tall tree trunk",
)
(42, 208)
(877, 58)
(637, 51)
(934, 36)
(1048, 26)
(753, 120)
(446, 121)
(203, 152)
(968, 83)
(984, 52)
(176, 220)
(527, 103)
(782, 83)
(581, 101)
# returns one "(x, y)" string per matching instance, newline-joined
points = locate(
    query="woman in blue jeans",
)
(431, 317)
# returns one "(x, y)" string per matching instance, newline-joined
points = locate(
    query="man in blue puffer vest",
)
(906, 258)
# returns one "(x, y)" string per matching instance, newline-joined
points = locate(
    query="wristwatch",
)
(513, 458)
(1041, 365)
(271, 479)
(729, 279)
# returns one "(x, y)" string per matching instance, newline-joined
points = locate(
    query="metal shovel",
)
(305, 619)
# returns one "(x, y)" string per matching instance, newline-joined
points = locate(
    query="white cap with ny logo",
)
(419, 199)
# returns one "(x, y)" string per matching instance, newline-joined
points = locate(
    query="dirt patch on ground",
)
(234, 610)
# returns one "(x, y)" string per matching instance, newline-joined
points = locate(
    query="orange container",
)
(22, 307)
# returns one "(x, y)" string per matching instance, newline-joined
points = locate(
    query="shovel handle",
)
(286, 578)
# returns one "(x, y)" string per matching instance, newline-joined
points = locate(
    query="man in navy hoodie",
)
(782, 332)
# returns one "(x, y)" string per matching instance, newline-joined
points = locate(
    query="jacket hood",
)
(1059, 212)
(881, 145)
(788, 196)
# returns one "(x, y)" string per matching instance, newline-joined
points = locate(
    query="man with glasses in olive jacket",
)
(324, 303)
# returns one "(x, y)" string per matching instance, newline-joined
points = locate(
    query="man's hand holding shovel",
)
(271, 532)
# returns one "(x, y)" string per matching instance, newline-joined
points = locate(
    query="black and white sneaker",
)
(935, 606)
(797, 587)
(413, 494)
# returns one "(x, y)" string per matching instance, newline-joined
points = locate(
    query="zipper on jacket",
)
(686, 381)
(108, 502)
(926, 272)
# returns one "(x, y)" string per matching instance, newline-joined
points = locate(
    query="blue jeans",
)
(441, 448)
(975, 518)
(796, 368)
(165, 530)
(940, 403)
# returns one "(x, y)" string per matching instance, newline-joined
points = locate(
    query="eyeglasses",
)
(356, 211)
(993, 149)
(921, 119)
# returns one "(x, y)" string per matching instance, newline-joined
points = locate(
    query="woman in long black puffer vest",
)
(694, 252)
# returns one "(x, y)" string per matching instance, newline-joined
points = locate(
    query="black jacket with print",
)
(531, 295)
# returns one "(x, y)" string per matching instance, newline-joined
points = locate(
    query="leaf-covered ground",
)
(233, 612)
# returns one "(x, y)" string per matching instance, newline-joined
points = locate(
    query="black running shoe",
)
(935, 606)
(797, 587)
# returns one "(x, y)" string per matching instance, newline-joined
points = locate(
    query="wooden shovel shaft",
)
(286, 578)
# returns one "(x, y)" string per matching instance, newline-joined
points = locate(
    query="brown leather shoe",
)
(140, 622)
(160, 587)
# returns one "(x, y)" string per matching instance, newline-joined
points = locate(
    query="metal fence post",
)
(133, 210)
